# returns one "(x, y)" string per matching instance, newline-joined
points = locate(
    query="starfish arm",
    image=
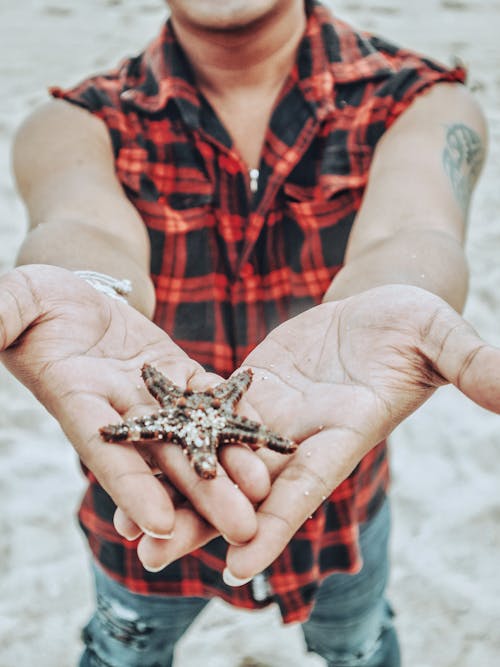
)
(203, 457)
(159, 386)
(246, 431)
(233, 389)
(143, 430)
(198, 421)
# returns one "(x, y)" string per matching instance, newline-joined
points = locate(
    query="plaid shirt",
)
(230, 264)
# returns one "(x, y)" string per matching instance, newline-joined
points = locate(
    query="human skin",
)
(80, 219)
(406, 242)
(80, 355)
(227, 15)
(241, 54)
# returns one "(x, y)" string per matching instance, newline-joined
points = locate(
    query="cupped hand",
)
(338, 379)
(80, 353)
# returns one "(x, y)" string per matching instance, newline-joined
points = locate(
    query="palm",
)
(339, 378)
(356, 364)
(83, 347)
(84, 343)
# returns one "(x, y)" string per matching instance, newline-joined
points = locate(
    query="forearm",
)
(79, 215)
(429, 259)
(79, 246)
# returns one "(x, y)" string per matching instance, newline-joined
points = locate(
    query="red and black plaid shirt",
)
(229, 265)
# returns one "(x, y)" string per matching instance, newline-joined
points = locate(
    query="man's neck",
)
(256, 57)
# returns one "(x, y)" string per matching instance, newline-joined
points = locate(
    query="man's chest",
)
(199, 200)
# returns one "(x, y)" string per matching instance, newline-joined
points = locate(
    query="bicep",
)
(64, 168)
(424, 170)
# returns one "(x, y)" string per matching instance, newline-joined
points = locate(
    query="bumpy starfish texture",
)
(199, 421)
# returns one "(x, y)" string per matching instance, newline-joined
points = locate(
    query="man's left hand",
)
(338, 379)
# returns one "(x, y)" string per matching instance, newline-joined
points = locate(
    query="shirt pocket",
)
(317, 230)
(172, 199)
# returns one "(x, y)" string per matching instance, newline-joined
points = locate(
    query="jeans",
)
(350, 624)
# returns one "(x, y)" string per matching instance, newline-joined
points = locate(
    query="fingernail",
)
(158, 536)
(153, 569)
(129, 538)
(234, 544)
(231, 580)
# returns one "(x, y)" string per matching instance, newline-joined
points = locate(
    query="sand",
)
(445, 581)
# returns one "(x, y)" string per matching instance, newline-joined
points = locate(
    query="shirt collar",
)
(333, 53)
(330, 53)
(160, 74)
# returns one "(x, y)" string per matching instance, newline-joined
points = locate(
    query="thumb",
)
(18, 306)
(463, 358)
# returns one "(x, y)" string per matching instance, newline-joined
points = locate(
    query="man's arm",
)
(412, 223)
(80, 352)
(79, 216)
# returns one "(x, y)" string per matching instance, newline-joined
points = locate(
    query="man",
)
(266, 165)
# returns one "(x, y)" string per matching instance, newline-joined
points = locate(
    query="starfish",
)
(199, 421)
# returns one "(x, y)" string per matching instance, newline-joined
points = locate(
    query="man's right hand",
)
(80, 353)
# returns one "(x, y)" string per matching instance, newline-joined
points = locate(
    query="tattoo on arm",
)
(463, 157)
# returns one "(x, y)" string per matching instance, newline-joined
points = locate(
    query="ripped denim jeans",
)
(350, 625)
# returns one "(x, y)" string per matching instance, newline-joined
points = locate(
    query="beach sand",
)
(445, 582)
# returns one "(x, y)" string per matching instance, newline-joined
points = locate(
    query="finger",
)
(18, 306)
(191, 533)
(247, 471)
(319, 465)
(273, 461)
(217, 500)
(119, 468)
(463, 358)
(128, 529)
(125, 526)
(203, 381)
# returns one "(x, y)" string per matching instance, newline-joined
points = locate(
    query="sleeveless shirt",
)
(233, 257)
